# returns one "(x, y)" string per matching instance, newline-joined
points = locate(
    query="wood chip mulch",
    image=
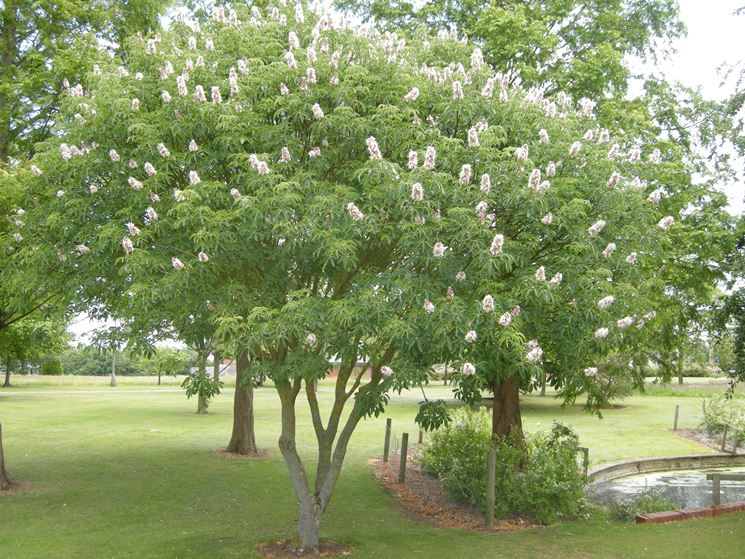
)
(424, 500)
(704, 439)
(285, 549)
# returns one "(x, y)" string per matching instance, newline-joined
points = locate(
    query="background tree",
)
(32, 338)
(322, 193)
(170, 362)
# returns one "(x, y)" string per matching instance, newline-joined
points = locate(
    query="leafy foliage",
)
(721, 411)
(650, 501)
(546, 486)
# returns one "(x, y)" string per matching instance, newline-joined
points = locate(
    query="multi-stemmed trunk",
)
(8, 362)
(313, 500)
(243, 440)
(506, 419)
(4, 477)
(202, 364)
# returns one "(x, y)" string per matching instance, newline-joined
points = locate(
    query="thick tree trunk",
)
(201, 400)
(7, 62)
(506, 419)
(243, 439)
(113, 369)
(4, 477)
(8, 362)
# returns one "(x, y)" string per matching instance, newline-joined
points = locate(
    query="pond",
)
(686, 488)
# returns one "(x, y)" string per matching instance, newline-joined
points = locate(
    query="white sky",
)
(715, 37)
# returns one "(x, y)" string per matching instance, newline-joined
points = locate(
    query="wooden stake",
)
(402, 461)
(491, 474)
(387, 444)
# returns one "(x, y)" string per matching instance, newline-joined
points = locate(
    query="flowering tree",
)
(324, 192)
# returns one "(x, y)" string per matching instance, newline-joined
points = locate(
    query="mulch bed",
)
(424, 500)
(259, 454)
(16, 487)
(709, 441)
(285, 549)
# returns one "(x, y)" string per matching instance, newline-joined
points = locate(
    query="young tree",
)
(170, 361)
(326, 193)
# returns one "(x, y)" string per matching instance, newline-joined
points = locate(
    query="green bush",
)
(541, 481)
(721, 411)
(51, 366)
(648, 502)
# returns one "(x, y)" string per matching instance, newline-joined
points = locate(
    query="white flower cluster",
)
(534, 352)
(606, 302)
(596, 228)
(372, 149)
(497, 244)
(354, 212)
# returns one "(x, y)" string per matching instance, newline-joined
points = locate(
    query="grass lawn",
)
(131, 472)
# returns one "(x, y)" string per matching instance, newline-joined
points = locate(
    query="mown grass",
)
(127, 473)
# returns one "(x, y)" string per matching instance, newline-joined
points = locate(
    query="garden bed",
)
(424, 500)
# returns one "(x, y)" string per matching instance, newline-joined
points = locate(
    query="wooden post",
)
(735, 441)
(491, 474)
(675, 423)
(421, 436)
(387, 444)
(724, 437)
(715, 489)
(402, 460)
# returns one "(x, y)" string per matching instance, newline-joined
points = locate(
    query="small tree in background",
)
(323, 193)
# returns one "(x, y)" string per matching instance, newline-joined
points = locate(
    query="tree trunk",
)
(158, 377)
(8, 362)
(243, 439)
(201, 400)
(309, 525)
(506, 419)
(113, 369)
(680, 372)
(543, 384)
(4, 477)
(216, 367)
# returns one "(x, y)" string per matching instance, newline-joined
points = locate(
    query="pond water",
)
(686, 488)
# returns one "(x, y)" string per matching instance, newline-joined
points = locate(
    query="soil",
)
(16, 487)
(259, 454)
(286, 549)
(704, 439)
(424, 500)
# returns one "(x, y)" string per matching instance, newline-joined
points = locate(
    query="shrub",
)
(721, 411)
(541, 481)
(649, 501)
(51, 366)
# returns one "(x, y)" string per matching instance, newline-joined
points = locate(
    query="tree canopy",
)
(324, 193)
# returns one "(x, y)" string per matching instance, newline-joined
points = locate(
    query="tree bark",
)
(4, 477)
(158, 377)
(506, 419)
(113, 369)
(8, 362)
(243, 439)
(201, 400)
(543, 384)
(216, 367)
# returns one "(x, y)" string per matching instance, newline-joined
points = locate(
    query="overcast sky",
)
(715, 37)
